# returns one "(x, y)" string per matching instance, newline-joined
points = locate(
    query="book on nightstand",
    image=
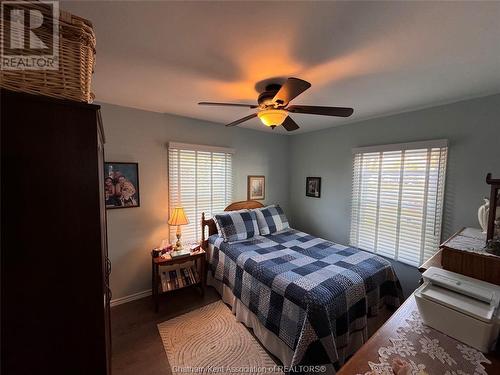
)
(180, 254)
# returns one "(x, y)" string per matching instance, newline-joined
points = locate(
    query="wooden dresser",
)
(464, 253)
(54, 265)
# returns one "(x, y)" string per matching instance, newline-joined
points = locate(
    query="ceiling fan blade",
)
(229, 104)
(325, 111)
(249, 117)
(289, 124)
(292, 88)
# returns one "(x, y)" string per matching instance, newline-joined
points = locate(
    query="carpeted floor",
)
(408, 276)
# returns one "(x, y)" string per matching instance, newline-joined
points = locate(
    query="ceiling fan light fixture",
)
(272, 106)
(272, 117)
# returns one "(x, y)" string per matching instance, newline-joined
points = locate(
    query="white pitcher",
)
(482, 215)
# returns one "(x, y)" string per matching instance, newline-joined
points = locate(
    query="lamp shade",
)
(272, 117)
(178, 217)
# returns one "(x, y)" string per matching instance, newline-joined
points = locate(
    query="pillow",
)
(237, 225)
(271, 219)
(219, 230)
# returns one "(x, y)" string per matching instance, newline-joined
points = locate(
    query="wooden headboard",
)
(210, 223)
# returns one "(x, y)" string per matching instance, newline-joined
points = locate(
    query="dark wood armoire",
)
(54, 266)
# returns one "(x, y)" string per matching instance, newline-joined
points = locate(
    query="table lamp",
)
(178, 217)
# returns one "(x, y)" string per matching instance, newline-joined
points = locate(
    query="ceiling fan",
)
(273, 106)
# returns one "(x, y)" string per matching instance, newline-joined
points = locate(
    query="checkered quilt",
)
(310, 292)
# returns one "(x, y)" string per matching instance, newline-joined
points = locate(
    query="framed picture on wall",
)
(313, 187)
(256, 187)
(121, 184)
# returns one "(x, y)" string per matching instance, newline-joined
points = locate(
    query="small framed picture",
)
(313, 187)
(256, 187)
(121, 184)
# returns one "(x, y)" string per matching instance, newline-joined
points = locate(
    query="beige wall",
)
(140, 136)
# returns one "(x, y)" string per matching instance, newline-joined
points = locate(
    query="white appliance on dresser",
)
(461, 307)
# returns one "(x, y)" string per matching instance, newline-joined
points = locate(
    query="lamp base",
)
(178, 244)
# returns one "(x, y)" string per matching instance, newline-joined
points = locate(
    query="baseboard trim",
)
(130, 298)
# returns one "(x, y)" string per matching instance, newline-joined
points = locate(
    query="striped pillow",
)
(271, 219)
(237, 225)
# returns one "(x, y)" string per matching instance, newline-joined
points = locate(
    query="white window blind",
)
(397, 199)
(200, 180)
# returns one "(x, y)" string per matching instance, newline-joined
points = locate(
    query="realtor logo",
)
(29, 35)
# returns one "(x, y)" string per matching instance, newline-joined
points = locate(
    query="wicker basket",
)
(76, 63)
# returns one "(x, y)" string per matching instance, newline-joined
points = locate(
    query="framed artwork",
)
(121, 184)
(256, 187)
(313, 187)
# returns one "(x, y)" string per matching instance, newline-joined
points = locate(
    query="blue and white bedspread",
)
(310, 292)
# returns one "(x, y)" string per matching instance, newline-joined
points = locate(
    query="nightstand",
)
(187, 272)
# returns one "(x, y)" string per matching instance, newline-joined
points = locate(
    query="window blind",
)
(200, 180)
(397, 199)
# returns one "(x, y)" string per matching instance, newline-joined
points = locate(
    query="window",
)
(200, 180)
(397, 199)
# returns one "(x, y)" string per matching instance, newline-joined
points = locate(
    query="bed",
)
(308, 300)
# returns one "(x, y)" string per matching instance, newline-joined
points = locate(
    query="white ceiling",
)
(377, 57)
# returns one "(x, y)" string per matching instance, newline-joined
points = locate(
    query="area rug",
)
(210, 340)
